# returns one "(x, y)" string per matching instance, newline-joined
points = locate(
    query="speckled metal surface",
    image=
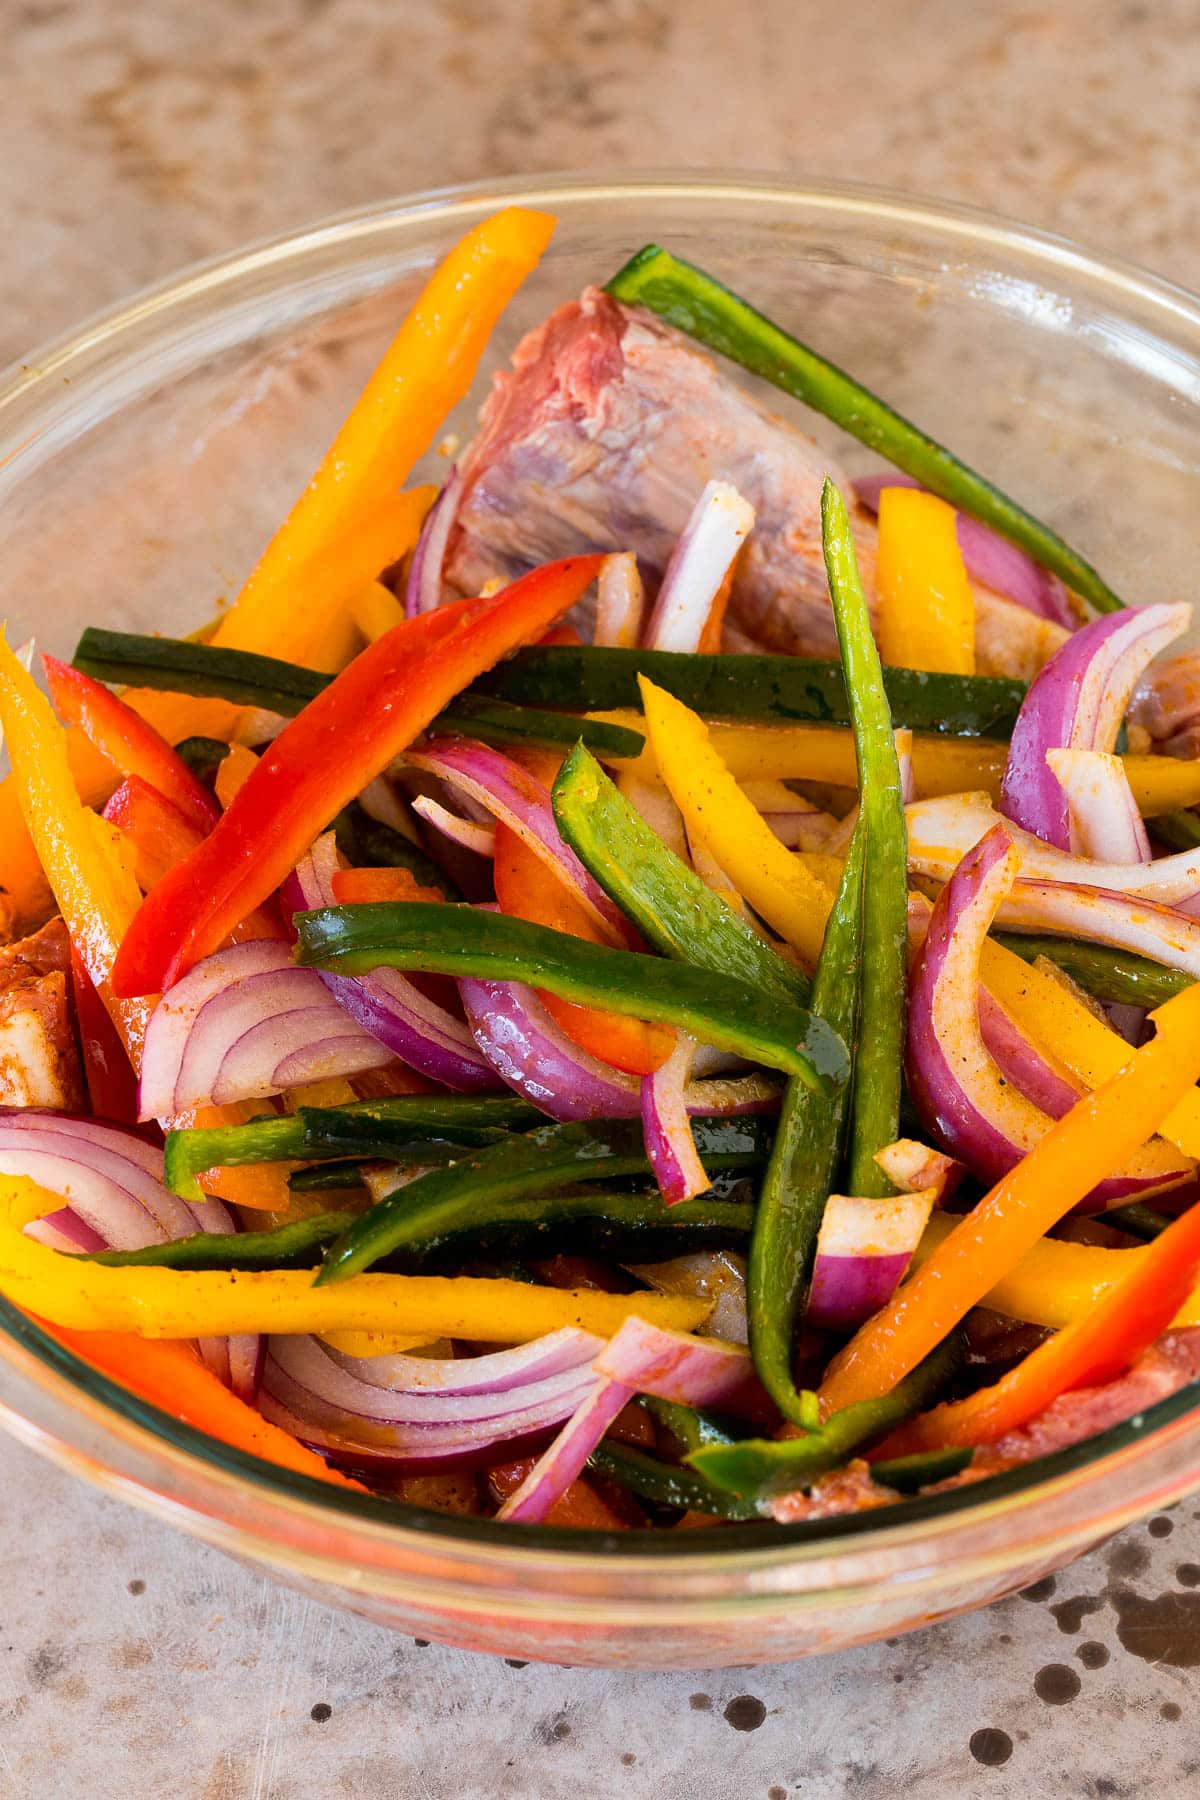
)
(134, 139)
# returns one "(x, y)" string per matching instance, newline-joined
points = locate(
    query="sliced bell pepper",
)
(177, 1303)
(172, 1377)
(580, 1507)
(233, 772)
(874, 1108)
(1046, 1009)
(719, 815)
(459, 940)
(1096, 1347)
(524, 892)
(111, 1082)
(96, 895)
(375, 609)
(131, 744)
(160, 834)
(1055, 1282)
(926, 617)
(424, 373)
(666, 900)
(352, 886)
(324, 757)
(1084, 1146)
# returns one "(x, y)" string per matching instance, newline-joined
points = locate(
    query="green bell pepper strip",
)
(702, 307)
(203, 756)
(1138, 1220)
(477, 1189)
(289, 1246)
(909, 1474)
(1177, 830)
(367, 843)
(875, 1104)
(459, 940)
(272, 1139)
(687, 1425)
(756, 1468)
(248, 679)
(323, 1178)
(672, 908)
(779, 689)
(804, 1160)
(1113, 975)
(663, 1483)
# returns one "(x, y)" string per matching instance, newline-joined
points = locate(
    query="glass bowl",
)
(145, 461)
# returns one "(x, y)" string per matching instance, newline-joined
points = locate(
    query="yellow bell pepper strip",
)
(1094, 1348)
(719, 816)
(1055, 1282)
(172, 1377)
(926, 616)
(424, 373)
(1084, 1146)
(324, 757)
(176, 1303)
(375, 609)
(1040, 1001)
(96, 894)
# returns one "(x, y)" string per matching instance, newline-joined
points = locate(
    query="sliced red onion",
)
(796, 822)
(520, 801)
(961, 1095)
(532, 1054)
(336, 1403)
(112, 1182)
(479, 838)
(910, 1166)
(379, 800)
(620, 602)
(1077, 702)
(423, 589)
(652, 801)
(699, 563)
(667, 1129)
(244, 1023)
(641, 1358)
(942, 830)
(864, 1248)
(385, 1003)
(1020, 1063)
(1069, 909)
(990, 559)
(1105, 823)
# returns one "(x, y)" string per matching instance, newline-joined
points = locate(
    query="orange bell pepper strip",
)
(424, 373)
(1099, 1132)
(926, 612)
(233, 772)
(1095, 1348)
(172, 1377)
(324, 757)
(130, 743)
(524, 891)
(351, 886)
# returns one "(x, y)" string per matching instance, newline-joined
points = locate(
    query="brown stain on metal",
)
(1160, 1526)
(1164, 1629)
(1057, 1684)
(1092, 1655)
(1170, 1711)
(1127, 1561)
(700, 1702)
(1040, 1590)
(990, 1746)
(1188, 1574)
(1069, 1615)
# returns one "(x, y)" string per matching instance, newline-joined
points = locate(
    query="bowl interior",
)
(144, 463)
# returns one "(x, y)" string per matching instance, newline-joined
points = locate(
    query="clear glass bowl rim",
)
(63, 1376)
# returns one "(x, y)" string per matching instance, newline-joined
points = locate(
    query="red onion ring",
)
(423, 588)
(385, 1003)
(701, 559)
(670, 1145)
(864, 1248)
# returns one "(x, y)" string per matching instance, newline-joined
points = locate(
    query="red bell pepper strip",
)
(161, 837)
(111, 1082)
(526, 889)
(1095, 1348)
(324, 757)
(127, 740)
(581, 1506)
